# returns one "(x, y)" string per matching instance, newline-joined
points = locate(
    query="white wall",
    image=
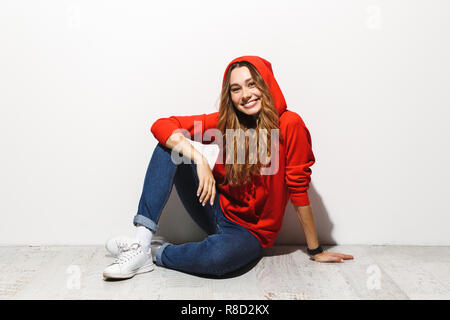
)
(81, 82)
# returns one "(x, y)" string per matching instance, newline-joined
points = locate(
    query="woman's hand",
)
(326, 256)
(207, 184)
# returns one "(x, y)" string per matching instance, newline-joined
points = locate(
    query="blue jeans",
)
(228, 246)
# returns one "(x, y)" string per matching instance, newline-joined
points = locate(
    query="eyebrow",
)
(235, 84)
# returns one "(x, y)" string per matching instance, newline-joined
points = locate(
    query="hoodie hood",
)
(264, 68)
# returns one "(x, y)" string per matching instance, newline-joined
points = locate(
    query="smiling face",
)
(245, 95)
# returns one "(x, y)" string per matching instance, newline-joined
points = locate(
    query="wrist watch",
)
(314, 251)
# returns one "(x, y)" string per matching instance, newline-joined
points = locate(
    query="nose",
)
(246, 94)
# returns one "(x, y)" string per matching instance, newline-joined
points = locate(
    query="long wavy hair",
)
(231, 118)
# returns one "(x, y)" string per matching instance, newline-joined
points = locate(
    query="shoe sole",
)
(143, 269)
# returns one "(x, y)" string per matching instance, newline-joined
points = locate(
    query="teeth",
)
(250, 103)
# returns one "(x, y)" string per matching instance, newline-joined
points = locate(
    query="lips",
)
(251, 103)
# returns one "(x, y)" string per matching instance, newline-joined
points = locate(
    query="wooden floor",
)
(284, 272)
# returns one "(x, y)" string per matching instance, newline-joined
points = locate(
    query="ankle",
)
(144, 237)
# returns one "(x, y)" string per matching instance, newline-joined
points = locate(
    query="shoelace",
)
(127, 253)
(123, 247)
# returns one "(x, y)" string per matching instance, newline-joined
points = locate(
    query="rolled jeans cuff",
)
(158, 254)
(146, 222)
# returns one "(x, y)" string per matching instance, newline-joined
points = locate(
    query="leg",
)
(162, 174)
(231, 248)
(186, 182)
(158, 183)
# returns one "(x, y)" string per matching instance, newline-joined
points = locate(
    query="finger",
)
(213, 195)
(336, 254)
(200, 188)
(333, 259)
(208, 196)
(331, 253)
(329, 258)
(205, 192)
(337, 258)
(341, 255)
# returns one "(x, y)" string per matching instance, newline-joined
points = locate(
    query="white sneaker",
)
(117, 244)
(130, 261)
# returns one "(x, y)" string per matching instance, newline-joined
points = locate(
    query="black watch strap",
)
(314, 251)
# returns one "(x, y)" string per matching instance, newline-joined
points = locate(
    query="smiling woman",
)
(246, 96)
(246, 206)
(247, 105)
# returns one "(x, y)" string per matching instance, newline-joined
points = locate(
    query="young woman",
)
(239, 208)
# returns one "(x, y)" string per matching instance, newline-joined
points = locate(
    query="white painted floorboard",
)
(284, 272)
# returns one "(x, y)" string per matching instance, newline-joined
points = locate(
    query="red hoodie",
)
(261, 207)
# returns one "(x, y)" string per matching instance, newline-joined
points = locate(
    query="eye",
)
(235, 89)
(251, 83)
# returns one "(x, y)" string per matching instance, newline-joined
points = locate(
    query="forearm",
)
(306, 217)
(179, 143)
